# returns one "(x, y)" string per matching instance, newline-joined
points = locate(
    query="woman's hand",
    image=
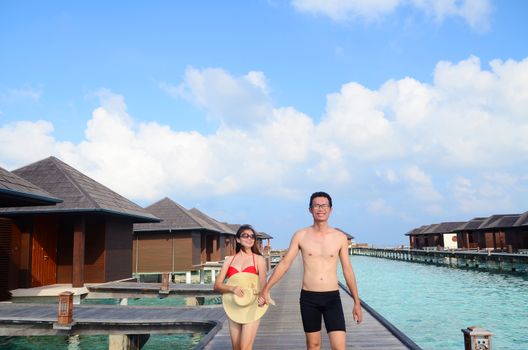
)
(238, 291)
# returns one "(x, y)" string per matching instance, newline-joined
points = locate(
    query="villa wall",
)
(5, 257)
(118, 248)
(156, 252)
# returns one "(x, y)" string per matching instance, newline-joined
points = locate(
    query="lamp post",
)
(65, 311)
(476, 338)
(164, 289)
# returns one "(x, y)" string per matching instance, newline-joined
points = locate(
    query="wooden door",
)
(489, 240)
(44, 253)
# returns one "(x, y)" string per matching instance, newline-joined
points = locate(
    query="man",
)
(320, 247)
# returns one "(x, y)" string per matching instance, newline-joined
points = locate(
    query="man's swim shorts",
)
(325, 304)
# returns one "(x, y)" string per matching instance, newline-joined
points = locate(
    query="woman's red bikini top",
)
(232, 270)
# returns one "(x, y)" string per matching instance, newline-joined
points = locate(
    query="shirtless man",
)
(320, 247)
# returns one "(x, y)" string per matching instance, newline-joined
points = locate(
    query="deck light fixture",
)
(65, 314)
(476, 338)
(164, 289)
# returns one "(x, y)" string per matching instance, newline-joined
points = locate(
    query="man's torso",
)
(320, 252)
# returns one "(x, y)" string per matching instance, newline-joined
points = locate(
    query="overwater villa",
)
(185, 241)
(86, 238)
(504, 232)
(15, 192)
(435, 235)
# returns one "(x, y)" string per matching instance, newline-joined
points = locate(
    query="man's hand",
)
(357, 313)
(263, 297)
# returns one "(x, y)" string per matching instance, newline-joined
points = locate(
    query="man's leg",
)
(337, 340)
(313, 340)
(335, 322)
(311, 318)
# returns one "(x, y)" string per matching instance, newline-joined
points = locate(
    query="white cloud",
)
(475, 12)
(341, 10)
(356, 122)
(21, 94)
(493, 193)
(24, 142)
(235, 101)
(421, 185)
(388, 175)
(380, 207)
(470, 121)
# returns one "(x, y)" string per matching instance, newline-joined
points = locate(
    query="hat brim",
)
(250, 312)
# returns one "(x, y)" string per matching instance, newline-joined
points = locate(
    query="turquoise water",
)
(431, 304)
(98, 342)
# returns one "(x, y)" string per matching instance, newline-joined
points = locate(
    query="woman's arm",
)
(262, 271)
(220, 286)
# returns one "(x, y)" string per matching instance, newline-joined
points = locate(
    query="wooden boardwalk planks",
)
(38, 319)
(281, 326)
(136, 289)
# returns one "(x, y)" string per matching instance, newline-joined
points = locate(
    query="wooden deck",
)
(38, 319)
(281, 326)
(148, 290)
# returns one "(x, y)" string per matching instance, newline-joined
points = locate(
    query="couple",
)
(320, 246)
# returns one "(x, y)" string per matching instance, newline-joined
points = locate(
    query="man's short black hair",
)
(320, 194)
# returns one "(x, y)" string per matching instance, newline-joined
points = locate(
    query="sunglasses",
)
(245, 235)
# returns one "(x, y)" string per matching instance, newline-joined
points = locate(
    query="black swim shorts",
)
(326, 304)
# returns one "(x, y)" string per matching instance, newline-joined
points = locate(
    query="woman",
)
(246, 274)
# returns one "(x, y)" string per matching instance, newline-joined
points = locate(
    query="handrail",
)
(395, 331)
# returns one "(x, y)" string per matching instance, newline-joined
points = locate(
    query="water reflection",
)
(74, 342)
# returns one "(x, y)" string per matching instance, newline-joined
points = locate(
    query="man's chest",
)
(319, 249)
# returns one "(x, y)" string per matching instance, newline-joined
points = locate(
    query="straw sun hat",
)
(244, 309)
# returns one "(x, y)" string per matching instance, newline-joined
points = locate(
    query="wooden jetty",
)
(38, 319)
(478, 259)
(281, 326)
(117, 290)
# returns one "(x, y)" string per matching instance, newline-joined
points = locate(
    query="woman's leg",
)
(235, 330)
(249, 332)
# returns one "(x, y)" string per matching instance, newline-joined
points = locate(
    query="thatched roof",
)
(15, 192)
(235, 227)
(416, 231)
(80, 193)
(175, 217)
(263, 235)
(219, 225)
(349, 236)
(522, 220)
(472, 224)
(499, 221)
(446, 227)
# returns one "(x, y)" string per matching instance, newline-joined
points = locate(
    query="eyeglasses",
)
(320, 206)
(246, 236)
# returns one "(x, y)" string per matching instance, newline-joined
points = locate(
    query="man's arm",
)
(281, 268)
(350, 279)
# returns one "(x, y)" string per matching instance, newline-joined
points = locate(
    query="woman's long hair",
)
(254, 247)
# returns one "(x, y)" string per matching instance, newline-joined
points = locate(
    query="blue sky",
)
(408, 112)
